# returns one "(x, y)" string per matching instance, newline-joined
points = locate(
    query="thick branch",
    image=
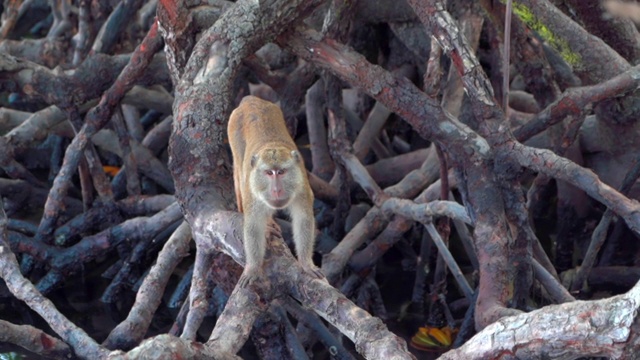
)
(566, 331)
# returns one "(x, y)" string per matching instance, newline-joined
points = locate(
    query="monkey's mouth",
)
(278, 203)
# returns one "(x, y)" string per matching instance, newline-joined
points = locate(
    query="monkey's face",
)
(276, 176)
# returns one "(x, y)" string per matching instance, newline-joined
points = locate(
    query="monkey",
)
(269, 175)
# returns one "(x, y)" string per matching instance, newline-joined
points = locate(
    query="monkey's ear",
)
(254, 159)
(295, 155)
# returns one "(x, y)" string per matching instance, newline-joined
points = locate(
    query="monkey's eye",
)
(281, 171)
(269, 172)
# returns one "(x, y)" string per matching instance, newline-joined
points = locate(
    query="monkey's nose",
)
(277, 193)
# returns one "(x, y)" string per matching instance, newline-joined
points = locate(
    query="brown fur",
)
(259, 142)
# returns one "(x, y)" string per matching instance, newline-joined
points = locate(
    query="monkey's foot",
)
(273, 229)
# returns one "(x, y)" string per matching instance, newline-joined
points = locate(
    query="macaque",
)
(269, 175)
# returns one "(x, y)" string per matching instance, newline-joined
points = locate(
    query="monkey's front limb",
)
(304, 230)
(255, 225)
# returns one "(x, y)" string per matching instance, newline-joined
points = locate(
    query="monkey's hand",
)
(312, 270)
(249, 276)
